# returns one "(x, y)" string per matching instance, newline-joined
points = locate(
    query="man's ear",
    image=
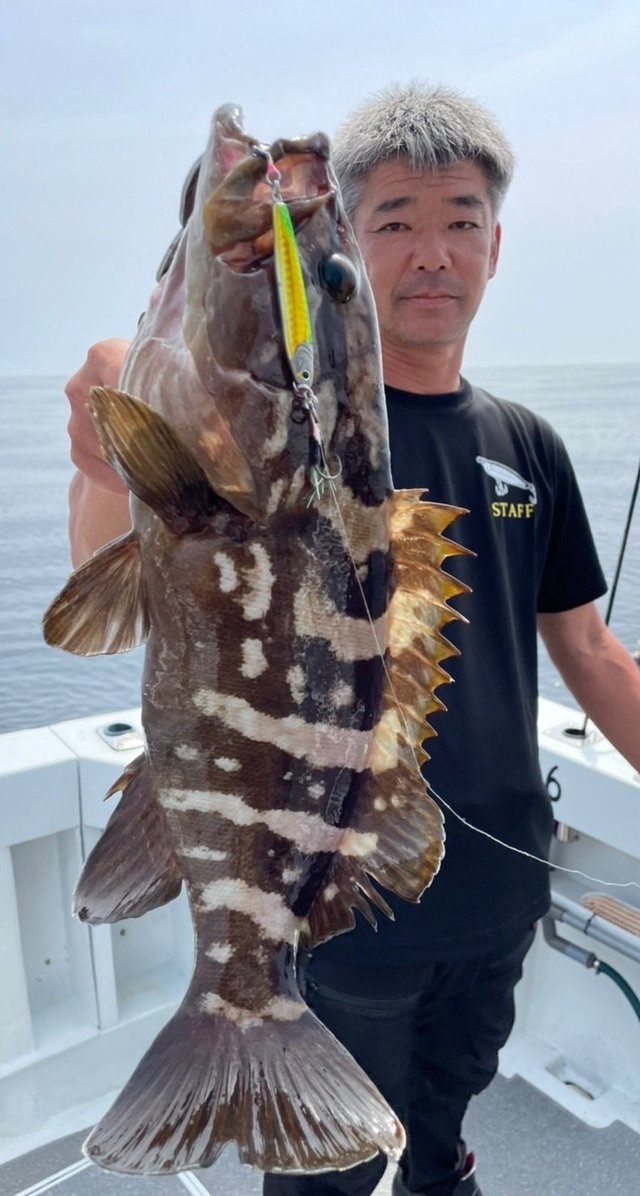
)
(495, 250)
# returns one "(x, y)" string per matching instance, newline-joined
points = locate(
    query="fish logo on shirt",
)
(504, 476)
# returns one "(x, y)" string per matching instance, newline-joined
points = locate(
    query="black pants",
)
(429, 1038)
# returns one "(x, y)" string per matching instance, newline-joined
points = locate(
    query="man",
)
(426, 1005)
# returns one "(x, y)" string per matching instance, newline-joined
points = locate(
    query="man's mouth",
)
(429, 296)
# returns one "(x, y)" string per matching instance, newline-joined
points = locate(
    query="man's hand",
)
(98, 499)
(102, 368)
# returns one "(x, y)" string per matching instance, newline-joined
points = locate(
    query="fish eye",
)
(338, 277)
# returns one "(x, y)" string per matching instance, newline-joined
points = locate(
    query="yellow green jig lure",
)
(297, 330)
(292, 297)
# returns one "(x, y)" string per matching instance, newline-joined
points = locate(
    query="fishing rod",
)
(580, 732)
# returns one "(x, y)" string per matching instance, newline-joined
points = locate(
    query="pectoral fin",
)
(144, 449)
(103, 607)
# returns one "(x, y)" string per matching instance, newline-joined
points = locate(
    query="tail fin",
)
(284, 1089)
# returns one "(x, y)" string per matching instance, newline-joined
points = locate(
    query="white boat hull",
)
(79, 1005)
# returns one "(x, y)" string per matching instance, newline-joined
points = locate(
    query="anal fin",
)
(394, 810)
(131, 868)
(103, 607)
(348, 888)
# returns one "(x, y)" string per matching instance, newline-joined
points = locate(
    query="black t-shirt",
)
(534, 553)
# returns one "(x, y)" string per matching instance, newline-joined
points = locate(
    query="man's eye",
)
(464, 224)
(393, 226)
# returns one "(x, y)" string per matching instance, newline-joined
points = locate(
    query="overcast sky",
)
(105, 104)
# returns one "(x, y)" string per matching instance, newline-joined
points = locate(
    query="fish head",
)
(240, 413)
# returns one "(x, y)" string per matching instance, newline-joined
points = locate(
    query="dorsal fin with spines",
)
(393, 805)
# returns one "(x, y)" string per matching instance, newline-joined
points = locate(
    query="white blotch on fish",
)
(267, 910)
(290, 875)
(184, 752)
(277, 442)
(297, 683)
(275, 494)
(254, 661)
(389, 736)
(220, 952)
(199, 851)
(227, 764)
(342, 695)
(316, 615)
(308, 832)
(228, 574)
(259, 579)
(321, 744)
(358, 843)
(281, 1009)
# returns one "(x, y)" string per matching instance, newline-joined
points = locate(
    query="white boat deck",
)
(78, 1006)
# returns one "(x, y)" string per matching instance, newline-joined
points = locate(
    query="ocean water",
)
(595, 409)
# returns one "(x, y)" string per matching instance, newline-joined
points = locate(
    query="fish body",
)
(293, 647)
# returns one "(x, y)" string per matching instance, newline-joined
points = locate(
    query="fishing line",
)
(298, 338)
(612, 884)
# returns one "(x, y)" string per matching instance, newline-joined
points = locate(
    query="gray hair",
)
(433, 127)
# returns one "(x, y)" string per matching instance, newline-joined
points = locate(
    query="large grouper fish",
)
(294, 643)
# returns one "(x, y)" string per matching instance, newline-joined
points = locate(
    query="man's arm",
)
(95, 517)
(599, 672)
(98, 499)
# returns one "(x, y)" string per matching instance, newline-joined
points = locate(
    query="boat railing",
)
(78, 1004)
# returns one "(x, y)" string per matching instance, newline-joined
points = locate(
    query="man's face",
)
(430, 245)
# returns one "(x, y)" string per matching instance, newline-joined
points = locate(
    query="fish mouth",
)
(238, 212)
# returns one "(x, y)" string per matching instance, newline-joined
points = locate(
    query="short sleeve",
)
(572, 574)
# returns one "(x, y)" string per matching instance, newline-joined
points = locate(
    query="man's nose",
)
(431, 254)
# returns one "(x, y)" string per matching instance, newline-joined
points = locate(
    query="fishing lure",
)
(292, 297)
(297, 330)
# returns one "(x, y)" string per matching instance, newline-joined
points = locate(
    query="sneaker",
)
(467, 1185)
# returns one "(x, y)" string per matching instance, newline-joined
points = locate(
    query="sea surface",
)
(595, 408)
